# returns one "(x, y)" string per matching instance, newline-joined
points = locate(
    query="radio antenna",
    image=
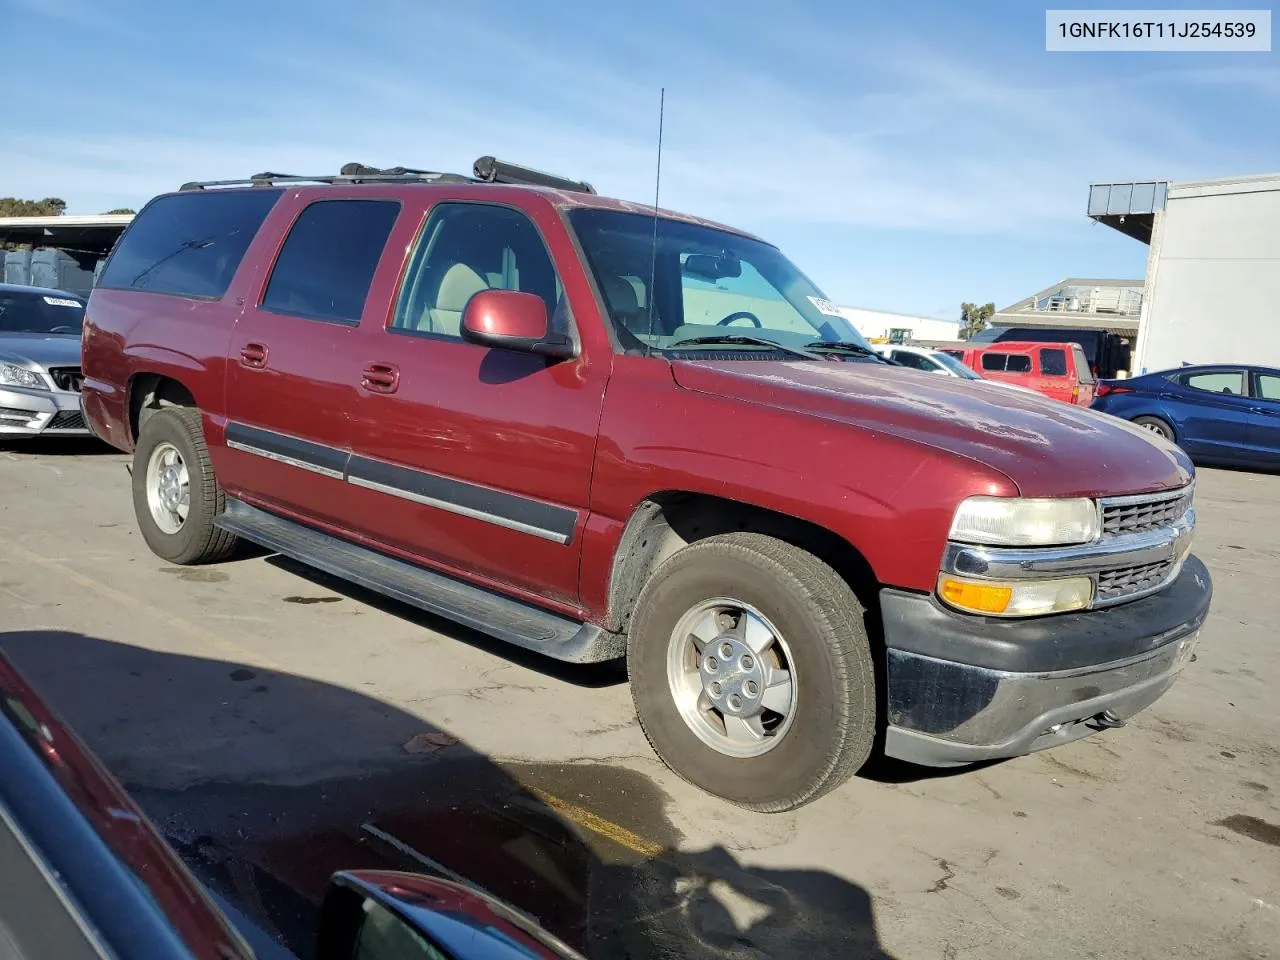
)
(653, 255)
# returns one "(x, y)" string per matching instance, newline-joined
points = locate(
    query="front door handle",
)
(380, 378)
(254, 355)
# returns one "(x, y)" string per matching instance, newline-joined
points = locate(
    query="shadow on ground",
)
(268, 782)
(584, 675)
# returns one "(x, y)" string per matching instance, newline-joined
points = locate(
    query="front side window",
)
(1053, 362)
(466, 248)
(1229, 382)
(188, 244)
(696, 282)
(915, 360)
(326, 265)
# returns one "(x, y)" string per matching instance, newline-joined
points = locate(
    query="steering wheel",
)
(740, 315)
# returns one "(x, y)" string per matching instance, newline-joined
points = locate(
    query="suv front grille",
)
(1114, 584)
(1143, 513)
(67, 378)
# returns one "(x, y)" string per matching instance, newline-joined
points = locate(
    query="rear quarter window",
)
(1053, 362)
(188, 244)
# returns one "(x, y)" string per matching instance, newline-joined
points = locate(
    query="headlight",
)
(1020, 522)
(1015, 598)
(21, 377)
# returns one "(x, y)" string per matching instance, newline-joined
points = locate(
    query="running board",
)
(482, 610)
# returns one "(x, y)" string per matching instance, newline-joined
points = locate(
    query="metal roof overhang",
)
(1124, 326)
(96, 234)
(1128, 207)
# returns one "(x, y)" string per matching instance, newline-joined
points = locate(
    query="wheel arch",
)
(1160, 415)
(148, 392)
(664, 522)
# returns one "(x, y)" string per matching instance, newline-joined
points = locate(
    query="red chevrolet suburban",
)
(596, 429)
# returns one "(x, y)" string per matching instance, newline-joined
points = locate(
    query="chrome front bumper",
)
(963, 689)
(30, 413)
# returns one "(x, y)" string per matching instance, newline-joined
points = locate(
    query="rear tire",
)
(1155, 425)
(175, 494)
(821, 735)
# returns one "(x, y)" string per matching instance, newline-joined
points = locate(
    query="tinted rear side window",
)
(993, 361)
(188, 244)
(1053, 362)
(327, 262)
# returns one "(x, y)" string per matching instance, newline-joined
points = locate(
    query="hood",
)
(1048, 448)
(42, 349)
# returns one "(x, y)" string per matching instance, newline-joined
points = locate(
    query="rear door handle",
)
(380, 378)
(253, 355)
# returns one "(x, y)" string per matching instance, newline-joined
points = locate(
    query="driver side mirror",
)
(388, 915)
(512, 320)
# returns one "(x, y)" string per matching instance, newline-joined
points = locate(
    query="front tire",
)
(175, 494)
(752, 672)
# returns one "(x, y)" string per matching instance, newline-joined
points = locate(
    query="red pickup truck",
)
(597, 430)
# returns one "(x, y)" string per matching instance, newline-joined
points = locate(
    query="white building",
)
(1213, 267)
(883, 326)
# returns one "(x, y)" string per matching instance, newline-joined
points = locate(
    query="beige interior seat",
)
(459, 284)
(624, 304)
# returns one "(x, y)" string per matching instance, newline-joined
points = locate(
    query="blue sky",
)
(907, 157)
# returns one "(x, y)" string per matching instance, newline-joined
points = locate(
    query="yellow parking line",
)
(597, 824)
(233, 650)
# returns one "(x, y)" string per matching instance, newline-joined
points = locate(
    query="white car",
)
(40, 362)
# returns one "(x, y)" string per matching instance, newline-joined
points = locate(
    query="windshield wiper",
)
(741, 338)
(842, 346)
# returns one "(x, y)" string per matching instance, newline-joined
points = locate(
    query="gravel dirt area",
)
(278, 725)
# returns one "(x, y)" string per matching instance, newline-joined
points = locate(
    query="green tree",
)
(119, 210)
(973, 318)
(48, 207)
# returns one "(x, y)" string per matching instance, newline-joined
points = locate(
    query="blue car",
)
(1220, 413)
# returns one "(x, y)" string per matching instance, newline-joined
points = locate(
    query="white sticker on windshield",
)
(61, 302)
(825, 306)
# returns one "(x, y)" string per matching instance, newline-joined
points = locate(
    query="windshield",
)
(954, 365)
(22, 311)
(705, 283)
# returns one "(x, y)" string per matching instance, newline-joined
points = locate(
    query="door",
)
(1264, 416)
(1211, 411)
(477, 459)
(289, 392)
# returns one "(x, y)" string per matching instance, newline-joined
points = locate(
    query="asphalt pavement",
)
(279, 725)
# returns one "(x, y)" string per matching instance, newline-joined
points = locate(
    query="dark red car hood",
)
(1048, 448)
